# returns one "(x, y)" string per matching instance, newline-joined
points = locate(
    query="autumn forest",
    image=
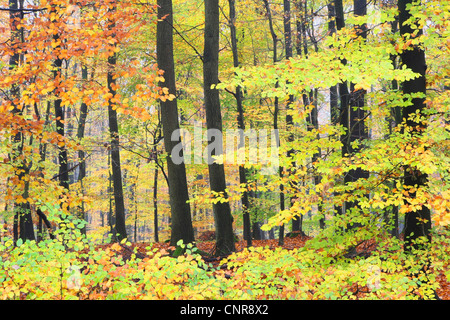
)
(224, 149)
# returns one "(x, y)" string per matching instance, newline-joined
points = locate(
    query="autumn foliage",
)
(344, 208)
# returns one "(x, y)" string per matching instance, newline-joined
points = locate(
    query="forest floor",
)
(289, 243)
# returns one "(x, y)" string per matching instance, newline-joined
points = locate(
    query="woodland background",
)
(92, 91)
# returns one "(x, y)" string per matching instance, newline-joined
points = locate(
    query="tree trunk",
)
(334, 95)
(241, 125)
(155, 205)
(342, 89)
(417, 223)
(181, 221)
(276, 112)
(119, 205)
(334, 110)
(392, 217)
(63, 174)
(23, 224)
(81, 153)
(222, 212)
(296, 222)
(42, 157)
(354, 115)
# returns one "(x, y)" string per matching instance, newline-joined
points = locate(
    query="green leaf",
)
(180, 243)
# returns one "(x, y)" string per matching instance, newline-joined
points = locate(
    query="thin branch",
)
(184, 39)
(71, 169)
(22, 10)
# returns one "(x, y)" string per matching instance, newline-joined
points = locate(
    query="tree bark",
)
(354, 115)
(119, 205)
(241, 125)
(392, 217)
(23, 223)
(342, 88)
(81, 153)
(155, 205)
(222, 211)
(181, 221)
(417, 223)
(63, 174)
(296, 222)
(334, 110)
(276, 112)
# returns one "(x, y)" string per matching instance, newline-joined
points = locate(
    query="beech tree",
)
(63, 175)
(241, 125)
(181, 224)
(222, 212)
(417, 222)
(119, 205)
(81, 153)
(23, 223)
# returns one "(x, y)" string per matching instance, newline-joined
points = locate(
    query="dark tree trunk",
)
(392, 218)
(63, 174)
(276, 112)
(418, 223)
(181, 221)
(241, 125)
(81, 153)
(334, 110)
(156, 139)
(334, 92)
(222, 212)
(155, 205)
(23, 224)
(119, 205)
(42, 157)
(296, 222)
(342, 89)
(354, 115)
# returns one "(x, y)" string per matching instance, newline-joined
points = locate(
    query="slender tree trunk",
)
(111, 220)
(23, 224)
(222, 211)
(241, 126)
(314, 118)
(354, 115)
(417, 223)
(256, 225)
(397, 116)
(334, 95)
(334, 110)
(296, 222)
(63, 174)
(81, 153)
(178, 190)
(14, 63)
(120, 231)
(42, 157)
(276, 112)
(155, 205)
(156, 139)
(352, 119)
(342, 88)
